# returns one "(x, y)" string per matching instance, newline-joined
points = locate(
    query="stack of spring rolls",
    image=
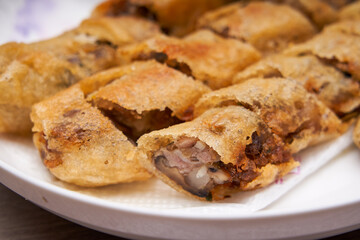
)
(220, 110)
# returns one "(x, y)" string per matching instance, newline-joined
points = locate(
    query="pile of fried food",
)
(210, 96)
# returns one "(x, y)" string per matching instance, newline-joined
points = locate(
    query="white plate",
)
(326, 203)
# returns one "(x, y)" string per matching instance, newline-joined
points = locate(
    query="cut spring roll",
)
(338, 45)
(204, 55)
(151, 97)
(32, 72)
(268, 27)
(86, 134)
(336, 90)
(79, 145)
(292, 113)
(176, 17)
(223, 151)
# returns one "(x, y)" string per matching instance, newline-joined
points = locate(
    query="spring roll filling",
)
(192, 164)
(133, 124)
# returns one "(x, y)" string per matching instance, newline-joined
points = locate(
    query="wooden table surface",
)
(22, 220)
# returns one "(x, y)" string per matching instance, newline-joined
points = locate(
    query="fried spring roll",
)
(268, 27)
(203, 55)
(292, 113)
(338, 45)
(224, 150)
(81, 146)
(151, 97)
(176, 17)
(356, 133)
(86, 134)
(337, 91)
(32, 72)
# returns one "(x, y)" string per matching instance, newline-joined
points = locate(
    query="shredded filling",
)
(192, 164)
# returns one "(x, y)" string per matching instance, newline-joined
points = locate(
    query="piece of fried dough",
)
(292, 113)
(351, 11)
(337, 91)
(204, 55)
(338, 45)
(86, 134)
(356, 133)
(81, 146)
(151, 97)
(225, 150)
(268, 27)
(32, 72)
(176, 17)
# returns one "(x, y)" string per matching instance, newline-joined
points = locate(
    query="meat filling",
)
(192, 164)
(132, 124)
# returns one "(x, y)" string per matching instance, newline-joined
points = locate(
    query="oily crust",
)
(338, 92)
(284, 105)
(176, 17)
(159, 86)
(32, 72)
(228, 131)
(81, 146)
(268, 27)
(356, 133)
(202, 54)
(351, 11)
(338, 44)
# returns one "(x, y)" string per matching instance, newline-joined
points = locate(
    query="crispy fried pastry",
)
(292, 113)
(203, 55)
(337, 91)
(268, 27)
(351, 11)
(356, 133)
(338, 45)
(86, 134)
(225, 150)
(176, 17)
(151, 97)
(32, 72)
(81, 146)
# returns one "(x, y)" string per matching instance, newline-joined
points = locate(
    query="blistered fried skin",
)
(176, 17)
(223, 151)
(268, 27)
(338, 44)
(320, 12)
(356, 134)
(151, 97)
(32, 72)
(351, 11)
(81, 146)
(337, 91)
(292, 113)
(204, 55)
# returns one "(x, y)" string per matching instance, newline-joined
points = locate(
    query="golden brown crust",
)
(284, 105)
(152, 86)
(176, 17)
(81, 146)
(351, 11)
(356, 134)
(268, 27)
(32, 72)
(338, 44)
(228, 131)
(204, 55)
(340, 93)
